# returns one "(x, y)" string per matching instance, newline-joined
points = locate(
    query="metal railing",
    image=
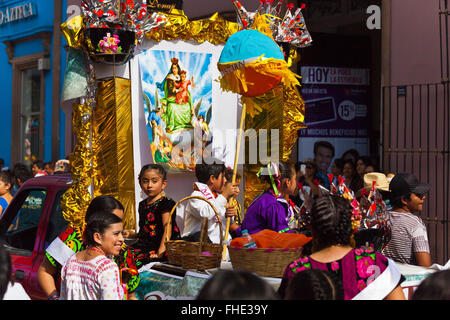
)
(415, 138)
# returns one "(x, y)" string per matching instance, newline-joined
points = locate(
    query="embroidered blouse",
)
(70, 242)
(357, 269)
(96, 279)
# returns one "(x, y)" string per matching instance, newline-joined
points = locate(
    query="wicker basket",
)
(190, 255)
(265, 262)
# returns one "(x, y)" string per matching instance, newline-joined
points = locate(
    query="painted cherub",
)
(182, 86)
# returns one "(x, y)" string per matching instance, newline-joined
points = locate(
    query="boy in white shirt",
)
(210, 185)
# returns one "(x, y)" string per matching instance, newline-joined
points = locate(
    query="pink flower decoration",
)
(302, 268)
(334, 266)
(303, 260)
(362, 265)
(361, 285)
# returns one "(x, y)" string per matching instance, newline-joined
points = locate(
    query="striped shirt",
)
(409, 235)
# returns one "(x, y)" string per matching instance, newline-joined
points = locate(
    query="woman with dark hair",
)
(352, 178)
(90, 274)
(358, 268)
(361, 165)
(70, 242)
(270, 210)
(315, 284)
(350, 154)
(236, 285)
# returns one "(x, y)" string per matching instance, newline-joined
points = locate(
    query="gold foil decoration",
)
(294, 57)
(293, 118)
(75, 201)
(282, 109)
(72, 31)
(114, 170)
(214, 29)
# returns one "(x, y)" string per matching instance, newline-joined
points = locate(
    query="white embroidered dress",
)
(96, 279)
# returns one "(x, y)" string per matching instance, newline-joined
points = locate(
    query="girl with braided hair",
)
(315, 284)
(271, 210)
(365, 273)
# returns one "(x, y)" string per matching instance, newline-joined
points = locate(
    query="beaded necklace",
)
(96, 249)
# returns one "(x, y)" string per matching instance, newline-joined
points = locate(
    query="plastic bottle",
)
(250, 243)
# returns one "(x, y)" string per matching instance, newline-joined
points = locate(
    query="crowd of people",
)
(101, 266)
(12, 178)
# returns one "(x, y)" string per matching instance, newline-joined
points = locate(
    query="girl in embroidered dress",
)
(271, 210)
(153, 218)
(365, 273)
(90, 274)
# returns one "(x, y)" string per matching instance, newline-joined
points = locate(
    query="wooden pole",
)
(233, 180)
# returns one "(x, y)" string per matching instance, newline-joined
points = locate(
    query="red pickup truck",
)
(31, 222)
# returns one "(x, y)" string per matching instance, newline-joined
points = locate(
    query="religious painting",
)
(177, 90)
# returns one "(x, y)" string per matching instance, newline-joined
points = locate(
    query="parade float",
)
(151, 86)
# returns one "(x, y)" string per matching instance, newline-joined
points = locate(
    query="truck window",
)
(57, 224)
(21, 233)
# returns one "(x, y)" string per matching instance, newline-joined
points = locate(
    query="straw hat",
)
(382, 182)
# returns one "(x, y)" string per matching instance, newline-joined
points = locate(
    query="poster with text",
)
(337, 109)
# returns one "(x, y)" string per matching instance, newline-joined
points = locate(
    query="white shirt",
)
(197, 209)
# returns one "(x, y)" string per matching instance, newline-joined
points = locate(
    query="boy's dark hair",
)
(331, 221)
(39, 164)
(50, 163)
(5, 270)
(102, 203)
(22, 174)
(229, 175)
(98, 222)
(236, 285)
(435, 287)
(162, 172)
(324, 144)
(315, 284)
(203, 171)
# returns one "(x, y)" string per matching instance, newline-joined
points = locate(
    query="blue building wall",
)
(42, 21)
(5, 106)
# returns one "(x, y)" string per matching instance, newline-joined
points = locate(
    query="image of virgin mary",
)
(176, 116)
